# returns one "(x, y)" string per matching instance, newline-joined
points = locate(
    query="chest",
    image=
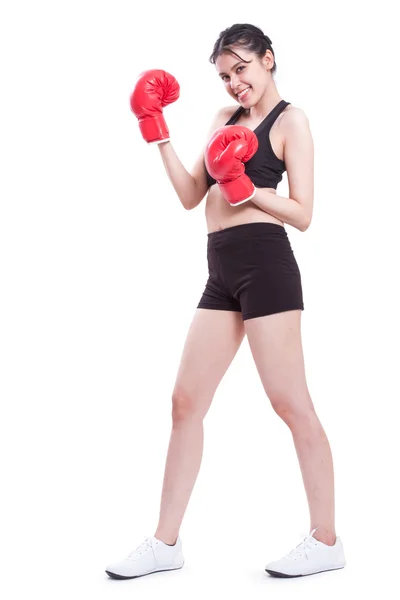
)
(275, 134)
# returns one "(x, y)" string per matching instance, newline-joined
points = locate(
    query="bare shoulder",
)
(223, 115)
(227, 111)
(293, 119)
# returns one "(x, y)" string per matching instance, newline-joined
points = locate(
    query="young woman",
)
(254, 288)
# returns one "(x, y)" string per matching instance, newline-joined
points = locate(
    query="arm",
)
(185, 185)
(299, 160)
(190, 187)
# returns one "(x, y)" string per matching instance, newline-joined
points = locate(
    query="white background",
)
(102, 269)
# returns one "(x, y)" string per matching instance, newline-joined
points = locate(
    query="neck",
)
(266, 103)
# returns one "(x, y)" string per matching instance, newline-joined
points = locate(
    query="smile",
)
(243, 92)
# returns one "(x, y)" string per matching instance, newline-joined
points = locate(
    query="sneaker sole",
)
(116, 576)
(277, 574)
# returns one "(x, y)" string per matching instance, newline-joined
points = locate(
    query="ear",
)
(268, 60)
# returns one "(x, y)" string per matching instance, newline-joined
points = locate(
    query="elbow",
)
(188, 206)
(192, 203)
(305, 224)
(186, 203)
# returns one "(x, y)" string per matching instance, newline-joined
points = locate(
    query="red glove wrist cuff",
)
(154, 129)
(238, 191)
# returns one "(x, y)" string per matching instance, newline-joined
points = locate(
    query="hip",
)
(262, 249)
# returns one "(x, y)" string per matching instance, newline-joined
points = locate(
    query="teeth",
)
(243, 92)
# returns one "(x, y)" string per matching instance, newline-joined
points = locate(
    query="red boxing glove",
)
(154, 89)
(229, 147)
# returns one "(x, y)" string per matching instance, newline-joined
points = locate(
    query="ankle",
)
(326, 536)
(167, 539)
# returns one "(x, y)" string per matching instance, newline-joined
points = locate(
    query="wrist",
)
(163, 144)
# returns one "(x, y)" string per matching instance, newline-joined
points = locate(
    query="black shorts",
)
(252, 270)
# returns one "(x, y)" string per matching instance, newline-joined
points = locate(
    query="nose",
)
(234, 82)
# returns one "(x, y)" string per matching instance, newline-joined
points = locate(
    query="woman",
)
(253, 289)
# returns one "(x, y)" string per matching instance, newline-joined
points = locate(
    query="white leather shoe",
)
(151, 556)
(309, 557)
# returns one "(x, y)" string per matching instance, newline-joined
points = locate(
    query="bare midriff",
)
(220, 214)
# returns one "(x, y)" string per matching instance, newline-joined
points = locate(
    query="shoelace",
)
(301, 549)
(141, 548)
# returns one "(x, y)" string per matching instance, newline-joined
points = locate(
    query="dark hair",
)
(246, 36)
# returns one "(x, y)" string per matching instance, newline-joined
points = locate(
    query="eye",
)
(237, 71)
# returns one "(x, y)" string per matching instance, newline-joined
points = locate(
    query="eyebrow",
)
(234, 66)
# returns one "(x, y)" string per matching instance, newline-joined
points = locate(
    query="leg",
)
(275, 343)
(213, 340)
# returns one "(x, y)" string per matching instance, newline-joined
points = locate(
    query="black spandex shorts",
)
(252, 270)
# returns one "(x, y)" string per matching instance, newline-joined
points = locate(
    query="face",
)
(237, 75)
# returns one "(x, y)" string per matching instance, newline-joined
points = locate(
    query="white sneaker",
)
(151, 556)
(309, 557)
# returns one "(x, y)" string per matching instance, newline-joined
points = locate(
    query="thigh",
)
(275, 285)
(213, 340)
(216, 295)
(275, 343)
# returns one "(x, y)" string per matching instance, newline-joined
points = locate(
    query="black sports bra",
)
(265, 169)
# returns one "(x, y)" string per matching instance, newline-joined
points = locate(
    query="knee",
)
(292, 408)
(183, 406)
